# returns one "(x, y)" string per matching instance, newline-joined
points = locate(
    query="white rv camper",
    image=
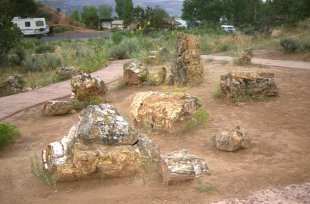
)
(31, 26)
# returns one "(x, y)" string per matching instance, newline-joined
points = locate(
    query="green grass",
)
(7, 133)
(199, 119)
(38, 171)
(204, 187)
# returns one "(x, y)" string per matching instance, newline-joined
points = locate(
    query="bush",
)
(17, 55)
(199, 119)
(43, 48)
(289, 44)
(7, 133)
(118, 52)
(33, 63)
(10, 36)
(52, 60)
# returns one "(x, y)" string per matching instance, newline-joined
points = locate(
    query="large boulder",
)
(12, 85)
(85, 86)
(248, 84)
(186, 67)
(135, 72)
(180, 166)
(53, 108)
(68, 72)
(102, 144)
(232, 140)
(163, 112)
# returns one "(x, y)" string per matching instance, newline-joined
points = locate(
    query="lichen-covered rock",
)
(158, 77)
(53, 108)
(180, 166)
(163, 112)
(186, 67)
(232, 140)
(12, 85)
(85, 86)
(248, 84)
(135, 72)
(68, 72)
(102, 144)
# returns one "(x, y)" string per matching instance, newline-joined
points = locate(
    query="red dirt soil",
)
(278, 156)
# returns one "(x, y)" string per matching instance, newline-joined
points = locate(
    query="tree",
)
(105, 11)
(124, 10)
(10, 36)
(89, 16)
(75, 15)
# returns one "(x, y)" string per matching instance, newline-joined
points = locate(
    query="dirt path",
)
(268, 62)
(15, 103)
(279, 154)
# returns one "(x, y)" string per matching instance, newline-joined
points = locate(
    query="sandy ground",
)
(279, 154)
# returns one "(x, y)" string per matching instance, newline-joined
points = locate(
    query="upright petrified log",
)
(186, 67)
(102, 144)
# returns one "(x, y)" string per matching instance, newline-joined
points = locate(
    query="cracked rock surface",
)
(99, 145)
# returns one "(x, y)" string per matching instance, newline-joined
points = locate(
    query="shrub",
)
(289, 44)
(117, 37)
(38, 171)
(33, 63)
(118, 52)
(199, 119)
(7, 133)
(43, 48)
(52, 60)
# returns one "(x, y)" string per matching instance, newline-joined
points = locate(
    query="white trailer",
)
(31, 26)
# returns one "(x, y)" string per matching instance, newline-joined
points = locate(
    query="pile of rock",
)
(163, 112)
(12, 85)
(249, 84)
(180, 166)
(186, 67)
(245, 57)
(232, 140)
(84, 88)
(102, 144)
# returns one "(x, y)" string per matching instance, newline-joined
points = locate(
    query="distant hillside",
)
(173, 7)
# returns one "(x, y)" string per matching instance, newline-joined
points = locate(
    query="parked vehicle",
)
(228, 28)
(31, 26)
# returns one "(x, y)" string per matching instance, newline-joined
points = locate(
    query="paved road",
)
(268, 62)
(15, 103)
(75, 35)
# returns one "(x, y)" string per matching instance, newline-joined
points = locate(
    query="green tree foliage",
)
(75, 15)
(89, 16)
(246, 13)
(105, 11)
(124, 10)
(10, 36)
(149, 18)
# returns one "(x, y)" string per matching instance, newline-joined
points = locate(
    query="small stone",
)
(53, 108)
(135, 72)
(180, 166)
(12, 85)
(232, 140)
(85, 86)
